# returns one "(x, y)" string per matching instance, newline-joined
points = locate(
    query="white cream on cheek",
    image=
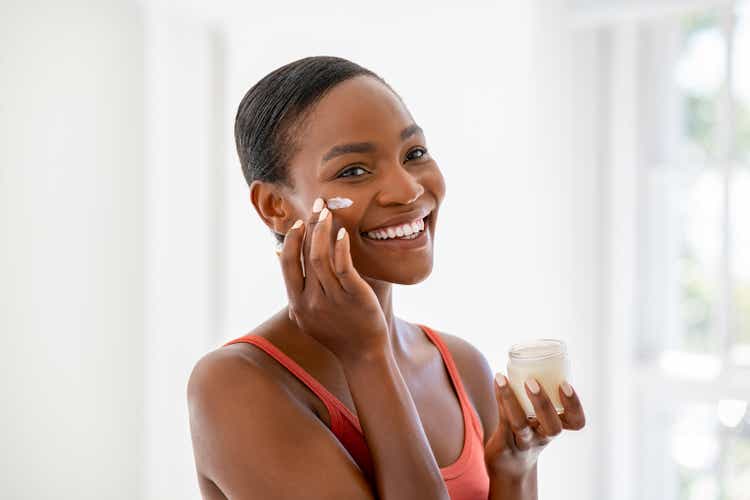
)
(338, 202)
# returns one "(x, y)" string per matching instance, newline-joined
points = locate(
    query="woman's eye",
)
(423, 151)
(351, 170)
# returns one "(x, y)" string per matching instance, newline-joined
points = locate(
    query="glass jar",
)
(544, 359)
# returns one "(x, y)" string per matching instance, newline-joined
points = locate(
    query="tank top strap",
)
(329, 400)
(455, 377)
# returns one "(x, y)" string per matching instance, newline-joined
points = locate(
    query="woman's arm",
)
(254, 440)
(512, 443)
(504, 488)
(405, 467)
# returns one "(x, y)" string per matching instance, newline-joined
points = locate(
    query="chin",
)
(403, 276)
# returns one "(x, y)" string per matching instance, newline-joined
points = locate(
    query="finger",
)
(311, 280)
(346, 273)
(523, 434)
(320, 254)
(573, 417)
(500, 442)
(549, 423)
(533, 422)
(503, 426)
(349, 278)
(290, 263)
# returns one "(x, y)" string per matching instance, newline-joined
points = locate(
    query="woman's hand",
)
(331, 302)
(514, 447)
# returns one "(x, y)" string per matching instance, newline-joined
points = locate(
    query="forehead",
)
(356, 110)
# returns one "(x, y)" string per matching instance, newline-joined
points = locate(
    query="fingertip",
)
(342, 250)
(567, 389)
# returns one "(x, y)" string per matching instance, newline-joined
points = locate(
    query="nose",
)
(400, 187)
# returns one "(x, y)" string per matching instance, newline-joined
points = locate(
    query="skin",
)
(397, 176)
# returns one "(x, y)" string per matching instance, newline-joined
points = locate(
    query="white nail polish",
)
(337, 202)
(532, 385)
(318, 205)
(567, 389)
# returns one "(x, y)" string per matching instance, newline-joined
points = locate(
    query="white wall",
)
(182, 236)
(71, 250)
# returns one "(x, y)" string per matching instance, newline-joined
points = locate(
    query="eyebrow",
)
(367, 147)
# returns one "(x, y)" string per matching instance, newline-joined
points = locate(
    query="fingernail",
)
(341, 234)
(317, 205)
(500, 379)
(532, 385)
(297, 224)
(323, 214)
(567, 389)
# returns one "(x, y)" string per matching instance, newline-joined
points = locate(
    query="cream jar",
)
(544, 359)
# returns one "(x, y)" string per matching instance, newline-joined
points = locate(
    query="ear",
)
(272, 206)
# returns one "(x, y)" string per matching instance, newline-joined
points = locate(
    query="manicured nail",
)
(532, 385)
(317, 205)
(341, 234)
(323, 215)
(297, 224)
(567, 389)
(500, 379)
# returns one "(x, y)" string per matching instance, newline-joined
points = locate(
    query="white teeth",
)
(402, 231)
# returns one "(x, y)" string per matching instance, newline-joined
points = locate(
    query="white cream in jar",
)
(547, 361)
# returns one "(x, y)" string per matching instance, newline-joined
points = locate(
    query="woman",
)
(334, 397)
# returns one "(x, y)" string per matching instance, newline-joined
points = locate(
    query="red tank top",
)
(466, 478)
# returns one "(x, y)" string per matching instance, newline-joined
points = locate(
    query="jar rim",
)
(538, 349)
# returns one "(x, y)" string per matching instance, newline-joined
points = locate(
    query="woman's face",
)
(394, 177)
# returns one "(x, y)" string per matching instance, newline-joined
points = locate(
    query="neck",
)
(400, 335)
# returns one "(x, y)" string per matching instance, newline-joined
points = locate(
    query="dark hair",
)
(275, 108)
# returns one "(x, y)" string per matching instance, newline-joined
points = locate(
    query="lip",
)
(396, 244)
(402, 219)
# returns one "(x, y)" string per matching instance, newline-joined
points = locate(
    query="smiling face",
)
(360, 142)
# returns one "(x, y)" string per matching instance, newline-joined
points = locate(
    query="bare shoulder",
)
(247, 431)
(228, 368)
(220, 376)
(478, 378)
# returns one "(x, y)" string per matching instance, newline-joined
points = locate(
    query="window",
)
(693, 349)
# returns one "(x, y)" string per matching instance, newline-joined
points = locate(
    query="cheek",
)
(435, 183)
(349, 217)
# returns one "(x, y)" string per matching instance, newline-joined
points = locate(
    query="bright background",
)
(597, 160)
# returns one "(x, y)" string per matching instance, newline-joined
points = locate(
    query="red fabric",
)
(466, 478)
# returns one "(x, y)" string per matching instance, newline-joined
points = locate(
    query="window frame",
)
(635, 388)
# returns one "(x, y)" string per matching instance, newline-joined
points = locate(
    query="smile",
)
(417, 240)
(407, 231)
